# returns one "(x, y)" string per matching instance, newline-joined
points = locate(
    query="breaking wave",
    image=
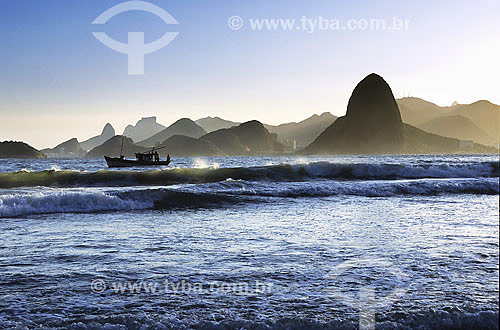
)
(422, 321)
(226, 193)
(274, 173)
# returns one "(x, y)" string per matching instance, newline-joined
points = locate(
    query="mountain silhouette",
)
(227, 141)
(305, 131)
(250, 138)
(107, 132)
(416, 111)
(372, 124)
(211, 124)
(186, 146)
(458, 126)
(67, 149)
(184, 126)
(482, 114)
(112, 148)
(143, 129)
(15, 149)
(418, 141)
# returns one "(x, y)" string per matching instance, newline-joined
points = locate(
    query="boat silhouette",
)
(149, 158)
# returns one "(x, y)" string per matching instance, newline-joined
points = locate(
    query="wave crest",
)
(273, 173)
(226, 193)
(423, 320)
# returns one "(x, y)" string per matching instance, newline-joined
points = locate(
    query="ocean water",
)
(251, 243)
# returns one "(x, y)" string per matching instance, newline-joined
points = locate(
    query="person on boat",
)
(157, 156)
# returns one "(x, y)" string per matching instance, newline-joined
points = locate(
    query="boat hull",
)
(121, 162)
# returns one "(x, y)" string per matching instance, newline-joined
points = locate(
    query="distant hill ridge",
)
(107, 132)
(16, 149)
(211, 124)
(143, 129)
(458, 126)
(67, 149)
(113, 146)
(484, 116)
(184, 126)
(249, 138)
(185, 146)
(305, 131)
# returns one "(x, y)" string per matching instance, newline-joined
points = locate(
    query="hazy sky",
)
(57, 81)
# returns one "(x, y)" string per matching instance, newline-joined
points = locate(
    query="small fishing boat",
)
(122, 162)
(149, 158)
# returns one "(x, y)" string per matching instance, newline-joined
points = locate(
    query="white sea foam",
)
(380, 171)
(64, 201)
(23, 202)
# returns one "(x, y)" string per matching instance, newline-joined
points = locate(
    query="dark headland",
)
(15, 149)
(373, 125)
